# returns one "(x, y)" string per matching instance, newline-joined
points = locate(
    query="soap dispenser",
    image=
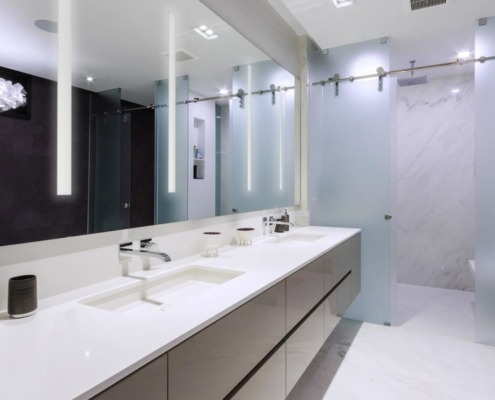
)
(285, 218)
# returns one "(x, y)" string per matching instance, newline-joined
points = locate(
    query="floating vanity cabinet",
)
(268, 382)
(261, 349)
(147, 383)
(210, 364)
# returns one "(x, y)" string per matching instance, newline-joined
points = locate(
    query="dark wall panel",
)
(30, 210)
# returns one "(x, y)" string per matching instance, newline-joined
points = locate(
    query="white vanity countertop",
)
(69, 350)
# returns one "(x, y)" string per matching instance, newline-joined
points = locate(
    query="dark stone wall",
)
(30, 209)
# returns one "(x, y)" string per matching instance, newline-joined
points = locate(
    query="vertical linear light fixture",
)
(172, 142)
(281, 140)
(249, 129)
(64, 100)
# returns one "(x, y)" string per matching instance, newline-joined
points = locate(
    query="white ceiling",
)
(429, 36)
(124, 43)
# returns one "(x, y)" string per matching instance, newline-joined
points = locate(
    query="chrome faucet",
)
(146, 247)
(271, 223)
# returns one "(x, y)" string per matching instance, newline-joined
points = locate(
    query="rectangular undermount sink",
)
(156, 294)
(297, 237)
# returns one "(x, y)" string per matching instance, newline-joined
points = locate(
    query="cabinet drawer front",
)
(211, 363)
(336, 264)
(147, 383)
(268, 382)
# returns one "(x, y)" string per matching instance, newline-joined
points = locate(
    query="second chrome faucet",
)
(147, 248)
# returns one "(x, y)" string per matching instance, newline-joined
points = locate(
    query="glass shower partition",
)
(109, 171)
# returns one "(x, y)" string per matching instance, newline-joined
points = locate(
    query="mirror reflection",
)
(155, 139)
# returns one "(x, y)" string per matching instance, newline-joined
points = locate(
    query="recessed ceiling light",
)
(343, 3)
(90, 79)
(224, 92)
(206, 32)
(463, 55)
(455, 90)
(46, 25)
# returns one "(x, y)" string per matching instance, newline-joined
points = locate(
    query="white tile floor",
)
(429, 355)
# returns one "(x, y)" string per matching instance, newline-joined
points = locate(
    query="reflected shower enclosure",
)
(121, 171)
(109, 164)
(263, 138)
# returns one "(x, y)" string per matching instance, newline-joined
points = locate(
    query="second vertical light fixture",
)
(64, 100)
(249, 129)
(172, 142)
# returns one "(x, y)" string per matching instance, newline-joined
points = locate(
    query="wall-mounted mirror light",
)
(64, 102)
(249, 129)
(172, 131)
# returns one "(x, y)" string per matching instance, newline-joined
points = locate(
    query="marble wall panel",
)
(435, 172)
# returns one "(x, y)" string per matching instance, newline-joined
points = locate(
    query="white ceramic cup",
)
(212, 243)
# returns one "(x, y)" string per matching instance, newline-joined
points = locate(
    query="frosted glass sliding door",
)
(350, 164)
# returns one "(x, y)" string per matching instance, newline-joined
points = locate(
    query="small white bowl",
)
(245, 236)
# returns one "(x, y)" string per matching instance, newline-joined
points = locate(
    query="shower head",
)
(416, 80)
(413, 80)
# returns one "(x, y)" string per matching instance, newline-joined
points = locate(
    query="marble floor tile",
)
(430, 354)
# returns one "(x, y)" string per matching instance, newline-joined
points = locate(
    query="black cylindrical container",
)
(22, 299)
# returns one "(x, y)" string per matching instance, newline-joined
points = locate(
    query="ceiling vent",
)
(420, 4)
(183, 55)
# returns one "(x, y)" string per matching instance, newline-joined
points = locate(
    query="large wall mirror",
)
(154, 138)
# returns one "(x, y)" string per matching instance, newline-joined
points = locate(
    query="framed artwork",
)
(13, 77)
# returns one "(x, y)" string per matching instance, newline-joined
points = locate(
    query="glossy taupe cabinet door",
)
(305, 288)
(147, 383)
(336, 304)
(210, 364)
(303, 345)
(336, 264)
(269, 382)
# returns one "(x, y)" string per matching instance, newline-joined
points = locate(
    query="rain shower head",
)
(416, 80)
(413, 80)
